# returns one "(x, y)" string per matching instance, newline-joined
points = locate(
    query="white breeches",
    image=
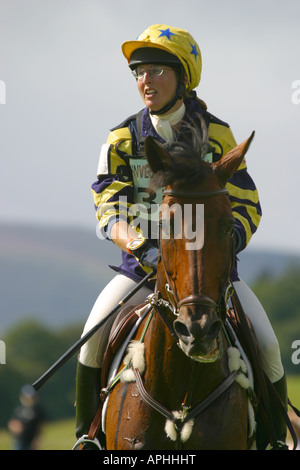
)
(271, 358)
(92, 352)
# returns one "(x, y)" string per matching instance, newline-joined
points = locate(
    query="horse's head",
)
(196, 241)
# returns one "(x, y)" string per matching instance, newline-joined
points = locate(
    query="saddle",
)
(121, 328)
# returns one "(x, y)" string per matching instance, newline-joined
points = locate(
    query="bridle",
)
(160, 305)
(196, 194)
(195, 299)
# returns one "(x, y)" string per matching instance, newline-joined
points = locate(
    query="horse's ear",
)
(157, 156)
(230, 162)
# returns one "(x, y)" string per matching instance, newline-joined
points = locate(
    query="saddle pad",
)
(115, 361)
(123, 324)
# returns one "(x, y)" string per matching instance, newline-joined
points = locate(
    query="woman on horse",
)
(166, 63)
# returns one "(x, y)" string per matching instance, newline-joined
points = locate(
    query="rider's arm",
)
(243, 194)
(121, 234)
(113, 190)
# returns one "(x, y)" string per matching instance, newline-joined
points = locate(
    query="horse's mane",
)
(187, 164)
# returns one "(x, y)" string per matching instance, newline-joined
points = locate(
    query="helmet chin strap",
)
(167, 107)
(178, 96)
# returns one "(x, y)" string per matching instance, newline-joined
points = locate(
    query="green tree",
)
(280, 297)
(31, 348)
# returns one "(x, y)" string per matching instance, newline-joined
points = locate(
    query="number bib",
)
(141, 174)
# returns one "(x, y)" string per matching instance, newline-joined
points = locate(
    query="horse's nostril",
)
(180, 329)
(195, 332)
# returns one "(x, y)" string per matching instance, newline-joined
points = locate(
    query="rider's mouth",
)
(150, 93)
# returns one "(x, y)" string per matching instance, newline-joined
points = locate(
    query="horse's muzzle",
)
(197, 328)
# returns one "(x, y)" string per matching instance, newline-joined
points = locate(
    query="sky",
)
(64, 83)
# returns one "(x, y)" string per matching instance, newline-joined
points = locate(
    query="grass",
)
(57, 435)
(60, 435)
(294, 390)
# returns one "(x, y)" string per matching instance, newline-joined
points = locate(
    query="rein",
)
(189, 415)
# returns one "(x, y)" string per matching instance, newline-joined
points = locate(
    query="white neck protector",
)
(163, 124)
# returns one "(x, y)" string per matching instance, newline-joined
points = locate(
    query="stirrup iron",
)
(85, 439)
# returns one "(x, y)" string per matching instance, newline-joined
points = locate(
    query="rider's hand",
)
(144, 251)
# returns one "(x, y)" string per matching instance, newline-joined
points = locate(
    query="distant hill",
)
(52, 274)
(55, 274)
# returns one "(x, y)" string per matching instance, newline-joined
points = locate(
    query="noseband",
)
(194, 299)
(196, 195)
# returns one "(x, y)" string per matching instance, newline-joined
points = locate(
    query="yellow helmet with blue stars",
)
(175, 41)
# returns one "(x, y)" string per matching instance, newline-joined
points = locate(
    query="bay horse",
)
(184, 395)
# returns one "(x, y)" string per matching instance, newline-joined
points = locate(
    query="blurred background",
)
(63, 84)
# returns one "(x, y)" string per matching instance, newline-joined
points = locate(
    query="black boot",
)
(88, 385)
(279, 421)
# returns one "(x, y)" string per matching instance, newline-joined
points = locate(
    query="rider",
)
(166, 63)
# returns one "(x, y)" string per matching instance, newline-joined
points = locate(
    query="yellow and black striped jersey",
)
(123, 177)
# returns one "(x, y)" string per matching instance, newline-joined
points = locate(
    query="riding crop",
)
(76, 346)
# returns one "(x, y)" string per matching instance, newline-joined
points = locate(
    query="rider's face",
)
(158, 90)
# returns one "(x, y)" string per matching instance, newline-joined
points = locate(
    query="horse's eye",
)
(228, 227)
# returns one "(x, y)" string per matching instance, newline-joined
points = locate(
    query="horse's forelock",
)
(187, 167)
